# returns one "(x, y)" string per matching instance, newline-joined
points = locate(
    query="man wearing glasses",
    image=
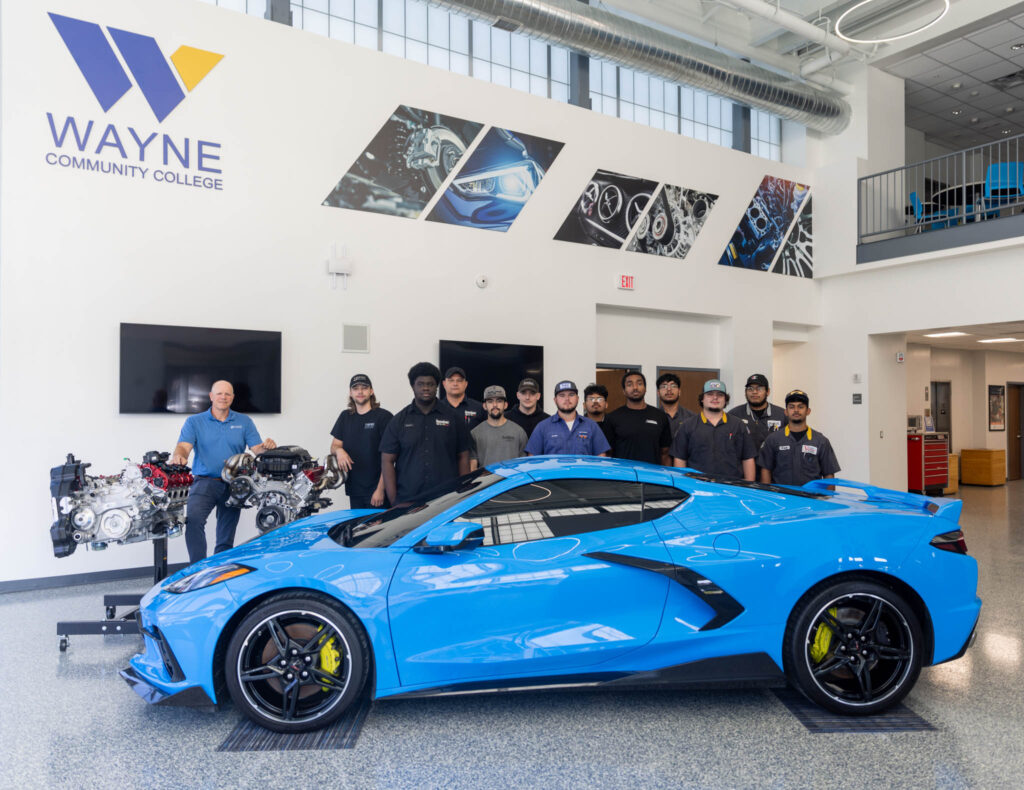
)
(595, 405)
(668, 400)
(761, 417)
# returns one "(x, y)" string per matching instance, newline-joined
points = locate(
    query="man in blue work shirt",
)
(216, 435)
(565, 432)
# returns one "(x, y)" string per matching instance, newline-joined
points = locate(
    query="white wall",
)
(81, 252)
(918, 371)
(965, 395)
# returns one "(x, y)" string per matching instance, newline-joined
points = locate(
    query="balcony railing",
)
(973, 185)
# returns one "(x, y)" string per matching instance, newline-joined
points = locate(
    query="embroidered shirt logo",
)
(810, 448)
(442, 422)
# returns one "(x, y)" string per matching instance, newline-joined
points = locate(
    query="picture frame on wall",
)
(996, 407)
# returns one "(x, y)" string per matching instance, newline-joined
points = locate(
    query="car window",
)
(383, 529)
(556, 508)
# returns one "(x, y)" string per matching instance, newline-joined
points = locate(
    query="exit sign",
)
(626, 282)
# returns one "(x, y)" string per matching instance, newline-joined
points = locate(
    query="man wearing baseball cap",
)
(712, 442)
(761, 417)
(566, 432)
(528, 413)
(466, 408)
(355, 442)
(497, 439)
(796, 454)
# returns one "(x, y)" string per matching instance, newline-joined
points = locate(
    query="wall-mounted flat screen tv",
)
(169, 369)
(505, 364)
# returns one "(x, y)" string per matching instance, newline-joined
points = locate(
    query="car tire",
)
(296, 662)
(853, 647)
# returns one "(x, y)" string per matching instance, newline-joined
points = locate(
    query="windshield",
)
(383, 529)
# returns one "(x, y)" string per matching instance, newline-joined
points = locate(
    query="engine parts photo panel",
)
(496, 181)
(766, 223)
(675, 218)
(607, 211)
(796, 259)
(405, 164)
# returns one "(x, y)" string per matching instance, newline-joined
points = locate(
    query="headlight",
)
(208, 576)
(515, 183)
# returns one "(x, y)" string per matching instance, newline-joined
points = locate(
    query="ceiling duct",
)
(601, 34)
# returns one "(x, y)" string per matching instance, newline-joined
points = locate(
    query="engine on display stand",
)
(143, 502)
(284, 484)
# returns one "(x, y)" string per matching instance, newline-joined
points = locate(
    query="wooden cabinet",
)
(954, 476)
(927, 462)
(983, 467)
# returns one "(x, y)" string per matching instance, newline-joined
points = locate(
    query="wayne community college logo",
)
(105, 75)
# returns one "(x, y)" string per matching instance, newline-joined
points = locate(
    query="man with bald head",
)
(216, 435)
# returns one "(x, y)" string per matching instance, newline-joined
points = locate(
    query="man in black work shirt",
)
(455, 385)
(355, 442)
(796, 454)
(528, 413)
(424, 445)
(636, 431)
(668, 397)
(761, 417)
(713, 443)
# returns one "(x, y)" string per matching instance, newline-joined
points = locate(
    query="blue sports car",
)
(558, 571)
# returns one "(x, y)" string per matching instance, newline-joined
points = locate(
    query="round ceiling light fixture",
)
(922, 28)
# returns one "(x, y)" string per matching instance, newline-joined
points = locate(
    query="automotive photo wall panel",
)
(796, 259)
(767, 222)
(496, 180)
(405, 164)
(607, 210)
(673, 221)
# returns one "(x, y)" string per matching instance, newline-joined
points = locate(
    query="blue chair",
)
(1004, 184)
(927, 212)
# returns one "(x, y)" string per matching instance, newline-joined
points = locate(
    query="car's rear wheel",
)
(296, 663)
(853, 647)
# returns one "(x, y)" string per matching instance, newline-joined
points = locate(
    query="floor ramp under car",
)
(898, 718)
(343, 734)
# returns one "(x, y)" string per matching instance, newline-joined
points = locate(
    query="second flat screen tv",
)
(169, 369)
(505, 364)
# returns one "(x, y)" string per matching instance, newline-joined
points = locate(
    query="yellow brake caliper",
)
(330, 658)
(822, 639)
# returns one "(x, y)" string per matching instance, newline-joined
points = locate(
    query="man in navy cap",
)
(468, 409)
(796, 454)
(566, 432)
(712, 442)
(355, 442)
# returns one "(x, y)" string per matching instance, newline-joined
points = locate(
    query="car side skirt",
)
(748, 670)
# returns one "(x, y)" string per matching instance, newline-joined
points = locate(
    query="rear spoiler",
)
(948, 509)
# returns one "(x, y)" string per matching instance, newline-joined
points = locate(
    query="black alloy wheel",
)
(296, 662)
(853, 647)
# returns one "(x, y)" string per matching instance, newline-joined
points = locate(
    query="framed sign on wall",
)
(996, 407)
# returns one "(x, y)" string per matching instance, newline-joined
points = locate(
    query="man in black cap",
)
(668, 397)
(761, 417)
(498, 438)
(713, 443)
(796, 454)
(424, 445)
(567, 432)
(355, 442)
(468, 409)
(527, 414)
(636, 431)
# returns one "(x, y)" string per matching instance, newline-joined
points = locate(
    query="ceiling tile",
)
(955, 50)
(995, 103)
(973, 63)
(999, 33)
(992, 72)
(943, 75)
(919, 64)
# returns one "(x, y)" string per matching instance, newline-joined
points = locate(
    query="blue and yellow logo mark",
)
(106, 77)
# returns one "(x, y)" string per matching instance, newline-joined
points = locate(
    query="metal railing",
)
(972, 185)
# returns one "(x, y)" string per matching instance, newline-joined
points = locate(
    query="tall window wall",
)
(412, 29)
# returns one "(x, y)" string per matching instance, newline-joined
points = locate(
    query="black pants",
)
(356, 502)
(206, 494)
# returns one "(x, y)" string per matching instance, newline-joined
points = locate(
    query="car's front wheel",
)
(296, 662)
(853, 647)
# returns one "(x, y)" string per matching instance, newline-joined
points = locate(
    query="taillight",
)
(951, 541)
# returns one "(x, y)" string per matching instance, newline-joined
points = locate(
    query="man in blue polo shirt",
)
(566, 432)
(216, 435)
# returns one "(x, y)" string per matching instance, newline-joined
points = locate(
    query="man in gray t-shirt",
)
(497, 439)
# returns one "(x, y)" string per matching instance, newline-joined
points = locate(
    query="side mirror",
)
(452, 536)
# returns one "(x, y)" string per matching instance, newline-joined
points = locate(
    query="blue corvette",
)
(558, 571)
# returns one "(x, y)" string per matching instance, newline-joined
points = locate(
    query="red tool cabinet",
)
(927, 462)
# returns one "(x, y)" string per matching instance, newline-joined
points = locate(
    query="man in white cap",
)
(498, 438)
(712, 442)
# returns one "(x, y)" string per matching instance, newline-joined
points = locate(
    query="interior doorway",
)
(1014, 443)
(691, 384)
(940, 408)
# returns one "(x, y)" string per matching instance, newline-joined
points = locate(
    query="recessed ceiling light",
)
(957, 86)
(1009, 109)
(947, 334)
(1007, 131)
(974, 93)
(1001, 340)
(957, 112)
(974, 120)
(1016, 47)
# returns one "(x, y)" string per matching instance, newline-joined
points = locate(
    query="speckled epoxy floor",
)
(68, 720)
